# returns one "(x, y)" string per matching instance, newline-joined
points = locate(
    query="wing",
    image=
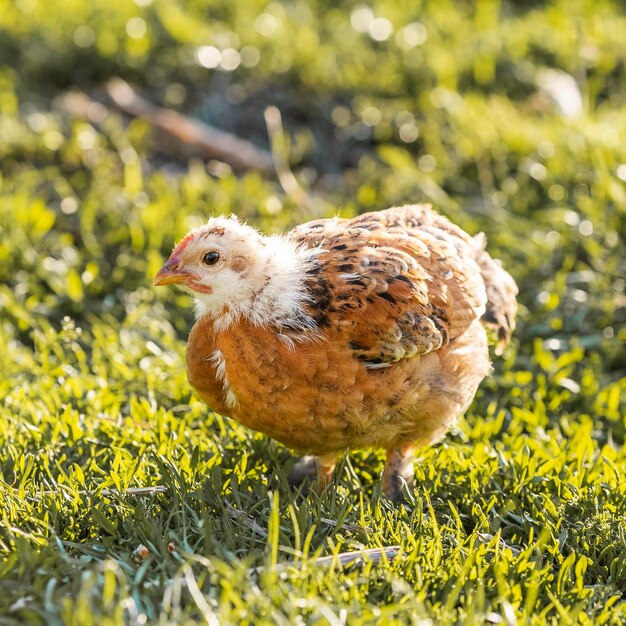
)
(395, 283)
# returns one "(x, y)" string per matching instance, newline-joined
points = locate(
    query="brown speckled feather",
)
(401, 282)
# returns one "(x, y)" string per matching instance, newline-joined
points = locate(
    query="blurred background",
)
(124, 124)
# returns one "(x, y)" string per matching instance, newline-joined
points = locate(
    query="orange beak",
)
(171, 274)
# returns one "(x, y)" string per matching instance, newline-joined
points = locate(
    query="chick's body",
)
(385, 346)
(319, 399)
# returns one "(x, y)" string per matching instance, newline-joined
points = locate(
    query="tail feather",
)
(501, 291)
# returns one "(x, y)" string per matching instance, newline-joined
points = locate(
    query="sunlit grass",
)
(519, 516)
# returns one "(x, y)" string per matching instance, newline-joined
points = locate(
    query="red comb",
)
(182, 244)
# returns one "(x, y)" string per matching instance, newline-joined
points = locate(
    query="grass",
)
(519, 516)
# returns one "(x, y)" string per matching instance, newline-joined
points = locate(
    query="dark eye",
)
(211, 258)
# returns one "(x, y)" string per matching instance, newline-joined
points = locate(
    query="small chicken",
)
(343, 333)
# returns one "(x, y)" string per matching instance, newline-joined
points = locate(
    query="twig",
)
(210, 142)
(356, 557)
(359, 557)
(355, 528)
(285, 176)
(136, 491)
(79, 104)
(247, 521)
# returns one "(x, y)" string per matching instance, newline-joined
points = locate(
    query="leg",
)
(398, 471)
(318, 470)
(325, 472)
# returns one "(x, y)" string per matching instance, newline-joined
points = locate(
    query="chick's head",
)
(232, 270)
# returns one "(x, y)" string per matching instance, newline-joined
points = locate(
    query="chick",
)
(343, 333)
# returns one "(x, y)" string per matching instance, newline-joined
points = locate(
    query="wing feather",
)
(398, 283)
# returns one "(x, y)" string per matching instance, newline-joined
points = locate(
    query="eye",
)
(211, 258)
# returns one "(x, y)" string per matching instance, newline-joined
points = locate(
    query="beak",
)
(170, 274)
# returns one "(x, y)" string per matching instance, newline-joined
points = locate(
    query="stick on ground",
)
(208, 141)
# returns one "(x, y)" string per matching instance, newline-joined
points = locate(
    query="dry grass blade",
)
(198, 597)
(287, 180)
